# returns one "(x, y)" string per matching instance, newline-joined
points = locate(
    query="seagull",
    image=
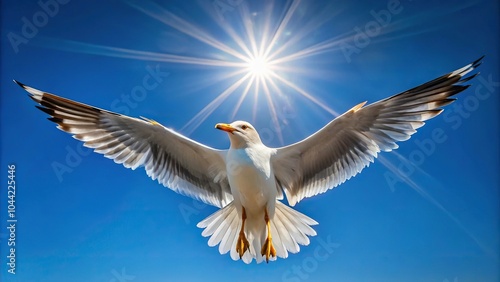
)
(249, 180)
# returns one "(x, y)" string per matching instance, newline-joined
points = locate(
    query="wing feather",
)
(353, 140)
(177, 162)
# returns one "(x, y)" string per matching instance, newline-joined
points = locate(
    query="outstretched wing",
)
(179, 163)
(350, 142)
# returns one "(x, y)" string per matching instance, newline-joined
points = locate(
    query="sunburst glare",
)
(259, 67)
(259, 58)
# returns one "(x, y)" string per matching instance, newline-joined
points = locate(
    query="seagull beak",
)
(225, 127)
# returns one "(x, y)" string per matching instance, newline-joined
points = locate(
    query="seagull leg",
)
(268, 248)
(242, 244)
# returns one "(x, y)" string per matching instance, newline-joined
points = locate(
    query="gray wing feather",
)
(179, 163)
(353, 140)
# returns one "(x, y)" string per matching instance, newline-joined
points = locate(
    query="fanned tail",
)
(289, 229)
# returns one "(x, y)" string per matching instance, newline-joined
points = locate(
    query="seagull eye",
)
(244, 127)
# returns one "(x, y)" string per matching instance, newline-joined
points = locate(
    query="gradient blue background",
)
(103, 220)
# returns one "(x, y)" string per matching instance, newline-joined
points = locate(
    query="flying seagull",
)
(247, 181)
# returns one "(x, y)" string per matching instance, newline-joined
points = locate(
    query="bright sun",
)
(259, 66)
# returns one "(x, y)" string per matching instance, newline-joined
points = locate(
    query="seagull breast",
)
(251, 177)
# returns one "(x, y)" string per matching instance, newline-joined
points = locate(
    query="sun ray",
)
(319, 20)
(235, 37)
(227, 28)
(255, 99)
(401, 28)
(433, 201)
(159, 13)
(266, 26)
(304, 94)
(247, 23)
(281, 27)
(242, 97)
(276, 88)
(251, 61)
(272, 108)
(316, 49)
(204, 113)
(102, 50)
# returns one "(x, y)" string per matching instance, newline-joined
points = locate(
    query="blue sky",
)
(83, 218)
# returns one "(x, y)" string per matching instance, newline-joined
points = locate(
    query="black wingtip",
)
(25, 88)
(55, 120)
(18, 83)
(48, 111)
(469, 77)
(478, 62)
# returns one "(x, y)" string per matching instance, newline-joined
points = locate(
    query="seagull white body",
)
(251, 178)
(253, 187)
(247, 181)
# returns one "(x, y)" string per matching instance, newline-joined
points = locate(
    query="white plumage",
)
(248, 180)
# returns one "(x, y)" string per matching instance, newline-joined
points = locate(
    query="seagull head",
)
(241, 134)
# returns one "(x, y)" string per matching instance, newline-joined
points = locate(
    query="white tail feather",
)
(289, 229)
